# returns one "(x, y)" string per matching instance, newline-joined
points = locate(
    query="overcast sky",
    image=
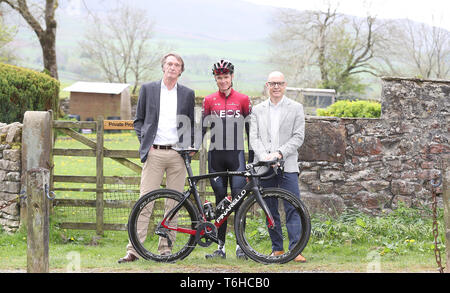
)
(418, 10)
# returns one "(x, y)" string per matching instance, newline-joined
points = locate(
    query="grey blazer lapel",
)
(284, 111)
(157, 98)
(180, 99)
(266, 117)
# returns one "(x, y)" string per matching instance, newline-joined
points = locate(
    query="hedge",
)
(356, 109)
(24, 90)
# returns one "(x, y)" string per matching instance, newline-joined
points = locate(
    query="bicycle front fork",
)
(262, 203)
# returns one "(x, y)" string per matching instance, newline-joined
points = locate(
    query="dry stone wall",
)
(10, 174)
(372, 164)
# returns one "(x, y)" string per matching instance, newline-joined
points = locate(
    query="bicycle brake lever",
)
(281, 167)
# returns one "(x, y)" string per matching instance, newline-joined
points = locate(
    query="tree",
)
(119, 45)
(418, 50)
(324, 48)
(42, 21)
(6, 36)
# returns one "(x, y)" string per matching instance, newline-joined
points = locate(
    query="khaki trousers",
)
(159, 162)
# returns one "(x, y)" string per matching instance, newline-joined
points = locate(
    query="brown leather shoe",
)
(277, 253)
(128, 258)
(300, 258)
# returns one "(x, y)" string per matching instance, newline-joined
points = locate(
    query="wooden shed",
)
(91, 99)
(312, 98)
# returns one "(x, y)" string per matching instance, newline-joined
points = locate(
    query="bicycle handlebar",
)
(273, 164)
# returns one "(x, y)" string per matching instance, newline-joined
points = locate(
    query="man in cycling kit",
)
(224, 112)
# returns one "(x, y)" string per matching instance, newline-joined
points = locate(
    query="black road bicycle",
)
(168, 216)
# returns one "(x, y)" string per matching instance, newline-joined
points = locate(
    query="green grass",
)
(354, 242)
(399, 241)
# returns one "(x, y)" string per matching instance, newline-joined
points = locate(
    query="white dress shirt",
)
(167, 124)
(274, 116)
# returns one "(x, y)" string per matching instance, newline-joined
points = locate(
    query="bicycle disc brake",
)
(206, 233)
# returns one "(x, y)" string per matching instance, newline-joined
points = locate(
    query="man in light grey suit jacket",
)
(164, 119)
(277, 130)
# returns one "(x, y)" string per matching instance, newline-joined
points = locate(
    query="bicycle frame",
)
(250, 187)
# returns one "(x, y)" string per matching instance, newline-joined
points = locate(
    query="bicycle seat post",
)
(187, 162)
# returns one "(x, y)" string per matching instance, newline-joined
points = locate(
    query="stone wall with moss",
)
(372, 164)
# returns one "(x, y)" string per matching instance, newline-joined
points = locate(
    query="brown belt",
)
(162, 147)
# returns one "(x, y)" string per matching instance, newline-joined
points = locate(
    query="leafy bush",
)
(352, 109)
(24, 90)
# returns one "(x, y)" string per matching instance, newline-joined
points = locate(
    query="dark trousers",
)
(289, 182)
(226, 160)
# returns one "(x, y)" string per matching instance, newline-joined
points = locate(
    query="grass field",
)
(398, 241)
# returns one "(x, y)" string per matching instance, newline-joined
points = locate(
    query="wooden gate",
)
(100, 152)
(97, 150)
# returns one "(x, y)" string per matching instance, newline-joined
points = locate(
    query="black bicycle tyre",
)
(132, 224)
(240, 221)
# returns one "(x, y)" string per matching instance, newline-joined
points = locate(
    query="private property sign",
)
(118, 125)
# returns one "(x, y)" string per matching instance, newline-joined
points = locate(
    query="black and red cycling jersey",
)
(231, 111)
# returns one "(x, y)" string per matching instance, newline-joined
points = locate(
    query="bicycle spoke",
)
(155, 241)
(280, 244)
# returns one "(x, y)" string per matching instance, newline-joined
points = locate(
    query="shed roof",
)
(97, 87)
(327, 91)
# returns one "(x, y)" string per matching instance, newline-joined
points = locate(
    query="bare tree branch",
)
(120, 45)
(418, 50)
(338, 47)
(47, 34)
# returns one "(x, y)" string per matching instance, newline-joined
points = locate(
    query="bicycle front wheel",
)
(289, 236)
(153, 241)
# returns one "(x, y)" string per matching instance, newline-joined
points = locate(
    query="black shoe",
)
(217, 254)
(240, 254)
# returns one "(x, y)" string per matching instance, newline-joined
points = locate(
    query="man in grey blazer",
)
(164, 119)
(277, 130)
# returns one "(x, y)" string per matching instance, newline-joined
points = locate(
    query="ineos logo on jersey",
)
(229, 113)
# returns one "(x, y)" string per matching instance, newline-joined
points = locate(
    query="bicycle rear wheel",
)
(253, 234)
(151, 240)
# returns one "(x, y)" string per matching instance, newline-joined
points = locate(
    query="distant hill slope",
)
(226, 20)
(202, 31)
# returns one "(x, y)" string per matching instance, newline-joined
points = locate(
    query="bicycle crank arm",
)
(263, 205)
(206, 234)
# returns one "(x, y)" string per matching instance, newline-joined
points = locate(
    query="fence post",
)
(38, 183)
(37, 145)
(100, 178)
(446, 202)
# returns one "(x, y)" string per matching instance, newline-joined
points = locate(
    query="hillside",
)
(201, 31)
